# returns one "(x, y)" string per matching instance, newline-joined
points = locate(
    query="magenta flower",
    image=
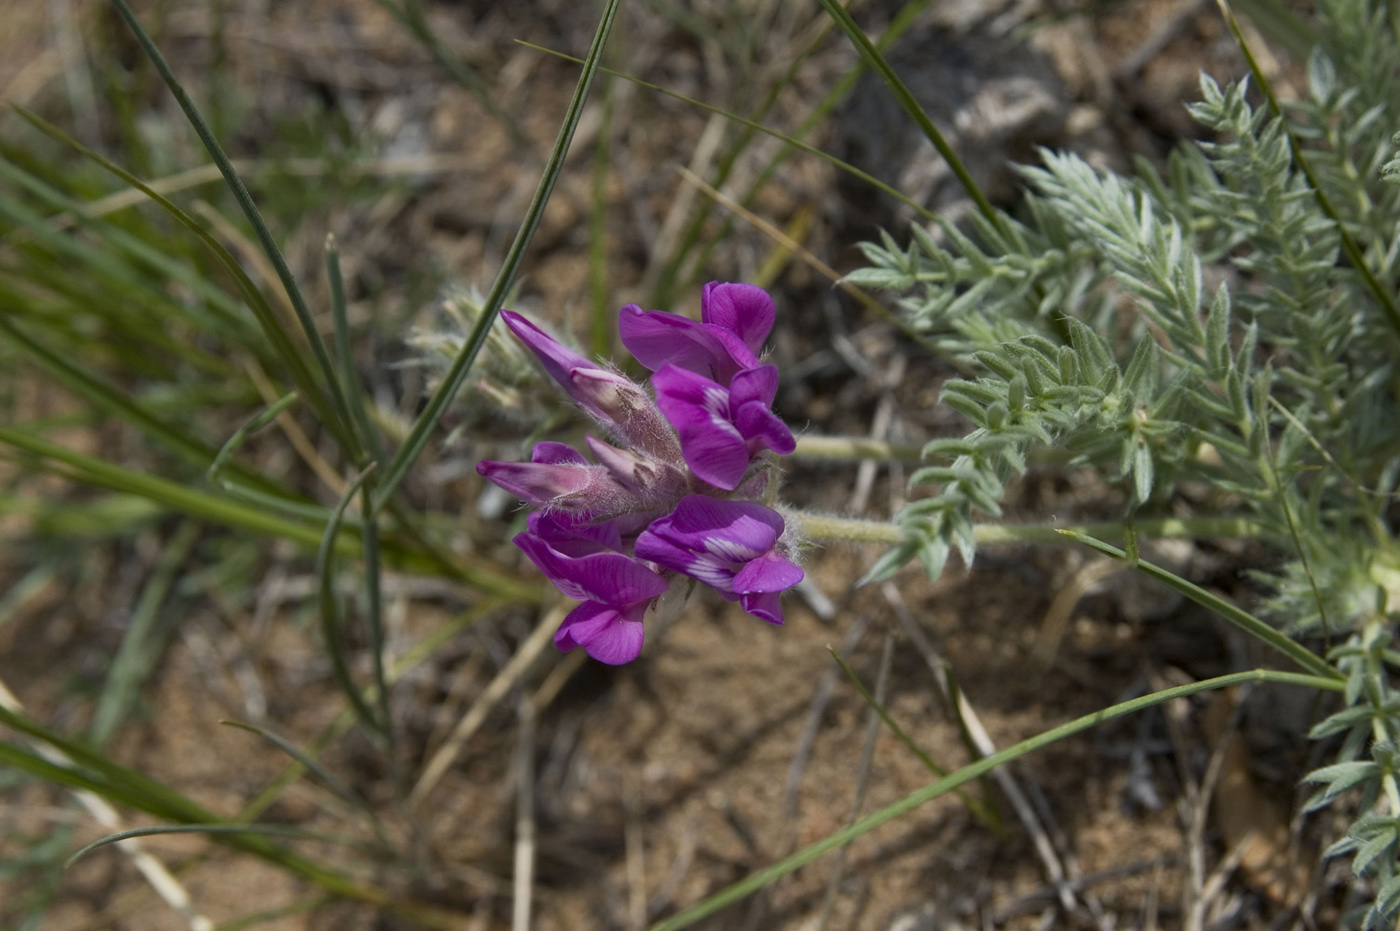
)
(612, 399)
(558, 478)
(674, 491)
(721, 430)
(654, 482)
(732, 546)
(745, 310)
(583, 561)
(735, 320)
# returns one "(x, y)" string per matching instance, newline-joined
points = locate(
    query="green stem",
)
(1247, 622)
(968, 773)
(854, 449)
(841, 530)
(1349, 245)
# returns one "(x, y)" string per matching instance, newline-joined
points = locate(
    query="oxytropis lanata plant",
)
(674, 496)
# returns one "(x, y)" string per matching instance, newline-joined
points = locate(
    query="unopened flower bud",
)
(652, 481)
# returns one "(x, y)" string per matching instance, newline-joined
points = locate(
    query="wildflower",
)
(585, 562)
(735, 320)
(662, 498)
(721, 430)
(609, 397)
(732, 546)
(558, 478)
(652, 481)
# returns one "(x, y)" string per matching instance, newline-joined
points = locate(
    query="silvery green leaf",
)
(1322, 76)
(1373, 849)
(889, 563)
(1141, 375)
(933, 553)
(1142, 472)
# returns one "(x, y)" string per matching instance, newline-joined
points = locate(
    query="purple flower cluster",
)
(672, 496)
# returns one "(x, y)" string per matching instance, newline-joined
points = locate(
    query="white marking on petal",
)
(711, 572)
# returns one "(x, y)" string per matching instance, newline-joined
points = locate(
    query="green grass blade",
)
(601, 318)
(411, 16)
(144, 641)
(90, 470)
(1280, 24)
(224, 315)
(128, 787)
(456, 374)
(876, 62)
(109, 398)
(250, 210)
(793, 142)
(24, 761)
(106, 778)
(262, 830)
(240, 436)
(965, 775)
(1240, 618)
(374, 611)
(307, 762)
(332, 630)
(987, 815)
(345, 354)
(271, 326)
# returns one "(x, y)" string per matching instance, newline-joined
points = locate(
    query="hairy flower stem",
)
(854, 449)
(840, 530)
(858, 448)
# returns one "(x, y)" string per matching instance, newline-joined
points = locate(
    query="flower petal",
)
(582, 624)
(765, 606)
(737, 530)
(537, 483)
(609, 578)
(699, 409)
(573, 537)
(657, 338)
(745, 310)
(608, 634)
(701, 566)
(754, 385)
(763, 429)
(620, 642)
(554, 453)
(770, 572)
(556, 358)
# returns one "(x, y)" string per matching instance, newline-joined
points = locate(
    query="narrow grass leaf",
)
(987, 817)
(250, 210)
(332, 630)
(910, 802)
(90, 470)
(144, 641)
(457, 372)
(1240, 618)
(307, 761)
(876, 61)
(240, 436)
(265, 830)
(345, 354)
(271, 326)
